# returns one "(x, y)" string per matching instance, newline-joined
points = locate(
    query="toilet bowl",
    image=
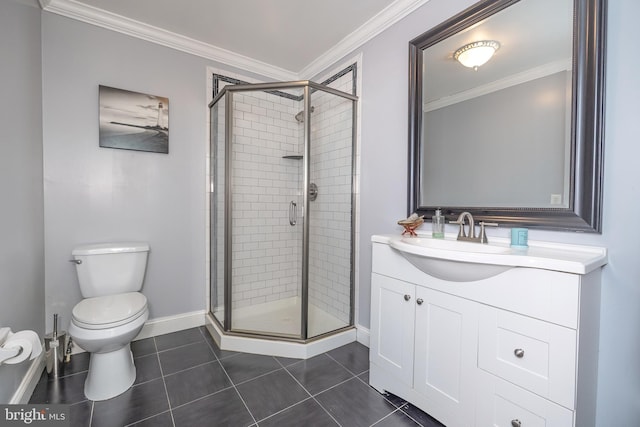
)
(105, 326)
(111, 315)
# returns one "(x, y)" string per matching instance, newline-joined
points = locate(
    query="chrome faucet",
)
(471, 237)
(462, 234)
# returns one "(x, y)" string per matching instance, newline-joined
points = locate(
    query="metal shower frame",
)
(307, 86)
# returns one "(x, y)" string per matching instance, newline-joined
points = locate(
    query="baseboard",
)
(166, 325)
(363, 335)
(29, 381)
(163, 325)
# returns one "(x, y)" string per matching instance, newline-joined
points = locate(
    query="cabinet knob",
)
(419, 301)
(516, 423)
(519, 353)
(407, 297)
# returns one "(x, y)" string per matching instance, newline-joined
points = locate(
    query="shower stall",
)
(282, 212)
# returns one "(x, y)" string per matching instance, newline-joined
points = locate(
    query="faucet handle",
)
(461, 232)
(483, 234)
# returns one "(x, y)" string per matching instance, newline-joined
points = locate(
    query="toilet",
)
(111, 314)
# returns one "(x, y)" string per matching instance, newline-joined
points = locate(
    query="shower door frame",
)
(307, 87)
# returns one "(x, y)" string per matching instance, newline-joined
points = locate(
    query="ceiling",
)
(288, 35)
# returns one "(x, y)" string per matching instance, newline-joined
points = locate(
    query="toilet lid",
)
(109, 310)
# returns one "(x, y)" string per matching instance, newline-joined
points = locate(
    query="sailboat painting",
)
(133, 120)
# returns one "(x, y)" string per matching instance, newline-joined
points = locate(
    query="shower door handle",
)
(293, 213)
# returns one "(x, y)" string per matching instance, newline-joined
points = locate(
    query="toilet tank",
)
(110, 268)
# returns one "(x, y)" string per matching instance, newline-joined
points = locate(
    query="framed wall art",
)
(133, 121)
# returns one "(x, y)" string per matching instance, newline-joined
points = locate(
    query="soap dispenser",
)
(437, 225)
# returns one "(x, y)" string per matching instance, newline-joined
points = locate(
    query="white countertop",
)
(567, 258)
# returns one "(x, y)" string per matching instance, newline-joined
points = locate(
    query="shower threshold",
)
(284, 317)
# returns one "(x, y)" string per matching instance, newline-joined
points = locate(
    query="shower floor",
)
(282, 317)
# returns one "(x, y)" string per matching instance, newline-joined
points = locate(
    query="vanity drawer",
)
(536, 355)
(502, 404)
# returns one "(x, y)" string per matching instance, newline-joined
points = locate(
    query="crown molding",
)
(101, 18)
(111, 21)
(504, 83)
(374, 26)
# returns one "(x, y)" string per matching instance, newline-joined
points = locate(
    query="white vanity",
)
(485, 335)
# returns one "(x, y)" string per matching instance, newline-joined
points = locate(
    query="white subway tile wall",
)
(267, 250)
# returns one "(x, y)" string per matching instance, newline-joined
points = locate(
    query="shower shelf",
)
(293, 156)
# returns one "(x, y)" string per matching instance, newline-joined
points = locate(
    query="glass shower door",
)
(266, 216)
(330, 213)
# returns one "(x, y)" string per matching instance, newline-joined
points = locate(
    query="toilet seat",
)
(109, 311)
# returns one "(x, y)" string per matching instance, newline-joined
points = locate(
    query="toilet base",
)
(110, 374)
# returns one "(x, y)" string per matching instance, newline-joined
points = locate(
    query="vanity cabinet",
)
(516, 349)
(426, 342)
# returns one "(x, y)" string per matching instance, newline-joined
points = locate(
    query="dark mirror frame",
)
(587, 134)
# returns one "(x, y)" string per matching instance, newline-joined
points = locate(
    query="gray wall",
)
(95, 194)
(21, 215)
(383, 195)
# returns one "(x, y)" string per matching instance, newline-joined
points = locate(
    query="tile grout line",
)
(186, 369)
(348, 370)
(357, 376)
(284, 409)
(241, 398)
(91, 414)
(148, 418)
(384, 395)
(166, 392)
(390, 414)
(312, 396)
(334, 386)
(218, 360)
(398, 408)
(202, 397)
(181, 346)
(236, 389)
(256, 377)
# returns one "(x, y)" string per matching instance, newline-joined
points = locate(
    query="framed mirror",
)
(517, 139)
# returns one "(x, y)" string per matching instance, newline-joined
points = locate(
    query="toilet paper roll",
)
(28, 342)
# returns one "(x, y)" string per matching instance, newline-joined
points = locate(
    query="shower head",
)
(300, 115)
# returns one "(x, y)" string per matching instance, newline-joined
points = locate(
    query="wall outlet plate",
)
(556, 199)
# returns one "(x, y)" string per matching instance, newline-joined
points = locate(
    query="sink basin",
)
(460, 261)
(456, 245)
(452, 260)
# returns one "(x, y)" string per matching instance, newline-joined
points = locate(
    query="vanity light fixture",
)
(477, 53)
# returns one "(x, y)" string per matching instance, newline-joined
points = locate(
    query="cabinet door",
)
(446, 353)
(392, 326)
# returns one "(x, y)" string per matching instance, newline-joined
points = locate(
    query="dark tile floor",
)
(184, 379)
